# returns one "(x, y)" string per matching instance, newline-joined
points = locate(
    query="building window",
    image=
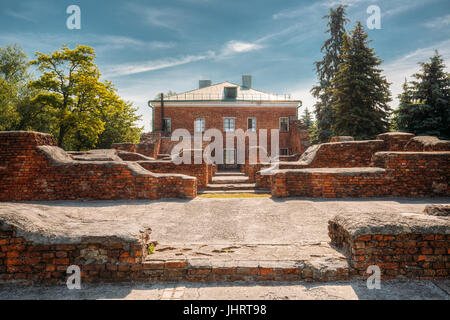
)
(230, 92)
(200, 125)
(284, 124)
(251, 124)
(228, 124)
(167, 125)
(284, 152)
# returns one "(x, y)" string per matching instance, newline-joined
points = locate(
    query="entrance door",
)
(229, 160)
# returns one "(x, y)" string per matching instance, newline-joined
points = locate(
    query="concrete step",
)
(231, 186)
(229, 173)
(230, 180)
(247, 191)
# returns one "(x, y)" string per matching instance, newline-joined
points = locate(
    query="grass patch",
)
(234, 195)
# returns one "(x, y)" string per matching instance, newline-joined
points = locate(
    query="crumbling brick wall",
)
(34, 168)
(406, 174)
(109, 259)
(125, 146)
(427, 143)
(416, 174)
(200, 171)
(420, 251)
(328, 183)
(395, 141)
(339, 155)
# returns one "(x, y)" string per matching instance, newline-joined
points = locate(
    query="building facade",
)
(227, 107)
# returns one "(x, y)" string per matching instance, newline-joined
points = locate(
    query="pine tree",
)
(360, 93)
(325, 70)
(402, 117)
(307, 118)
(425, 107)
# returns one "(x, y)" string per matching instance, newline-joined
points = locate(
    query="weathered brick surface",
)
(338, 155)
(416, 174)
(395, 141)
(409, 174)
(427, 143)
(125, 146)
(33, 168)
(341, 139)
(200, 171)
(328, 183)
(100, 260)
(419, 252)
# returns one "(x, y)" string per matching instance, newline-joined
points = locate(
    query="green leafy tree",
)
(82, 107)
(360, 93)
(13, 78)
(424, 107)
(326, 69)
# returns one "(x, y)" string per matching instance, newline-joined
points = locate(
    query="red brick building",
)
(227, 106)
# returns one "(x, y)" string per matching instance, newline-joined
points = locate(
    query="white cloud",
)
(234, 46)
(167, 18)
(139, 67)
(27, 16)
(439, 22)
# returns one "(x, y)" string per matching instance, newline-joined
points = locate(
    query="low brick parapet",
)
(34, 168)
(414, 246)
(328, 182)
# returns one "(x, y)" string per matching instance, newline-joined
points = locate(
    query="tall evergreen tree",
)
(425, 105)
(326, 69)
(307, 118)
(403, 120)
(360, 93)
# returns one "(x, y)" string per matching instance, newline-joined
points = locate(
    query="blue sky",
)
(152, 46)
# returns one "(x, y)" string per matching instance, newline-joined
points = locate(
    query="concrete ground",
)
(203, 221)
(354, 290)
(215, 226)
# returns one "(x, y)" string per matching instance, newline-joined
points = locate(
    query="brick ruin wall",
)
(398, 252)
(203, 172)
(32, 167)
(111, 260)
(404, 174)
(332, 183)
(414, 174)
(426, 143)
(105, 259)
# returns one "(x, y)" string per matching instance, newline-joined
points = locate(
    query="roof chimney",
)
(247, 81)
(204, 83)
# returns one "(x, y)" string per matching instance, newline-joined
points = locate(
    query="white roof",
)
(216, 92)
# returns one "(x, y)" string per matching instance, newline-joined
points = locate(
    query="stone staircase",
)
(231, 182)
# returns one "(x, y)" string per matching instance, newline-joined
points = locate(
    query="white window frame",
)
(253, 129)
(287, 151)
(287, 118)
(225, 127)
(202, 125)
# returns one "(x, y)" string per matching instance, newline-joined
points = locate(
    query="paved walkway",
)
(390, 290)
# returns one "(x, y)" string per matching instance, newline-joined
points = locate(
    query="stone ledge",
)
(391, 224)
(337, 171)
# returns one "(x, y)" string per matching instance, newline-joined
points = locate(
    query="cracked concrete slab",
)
(202, 220)
(345, 290)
